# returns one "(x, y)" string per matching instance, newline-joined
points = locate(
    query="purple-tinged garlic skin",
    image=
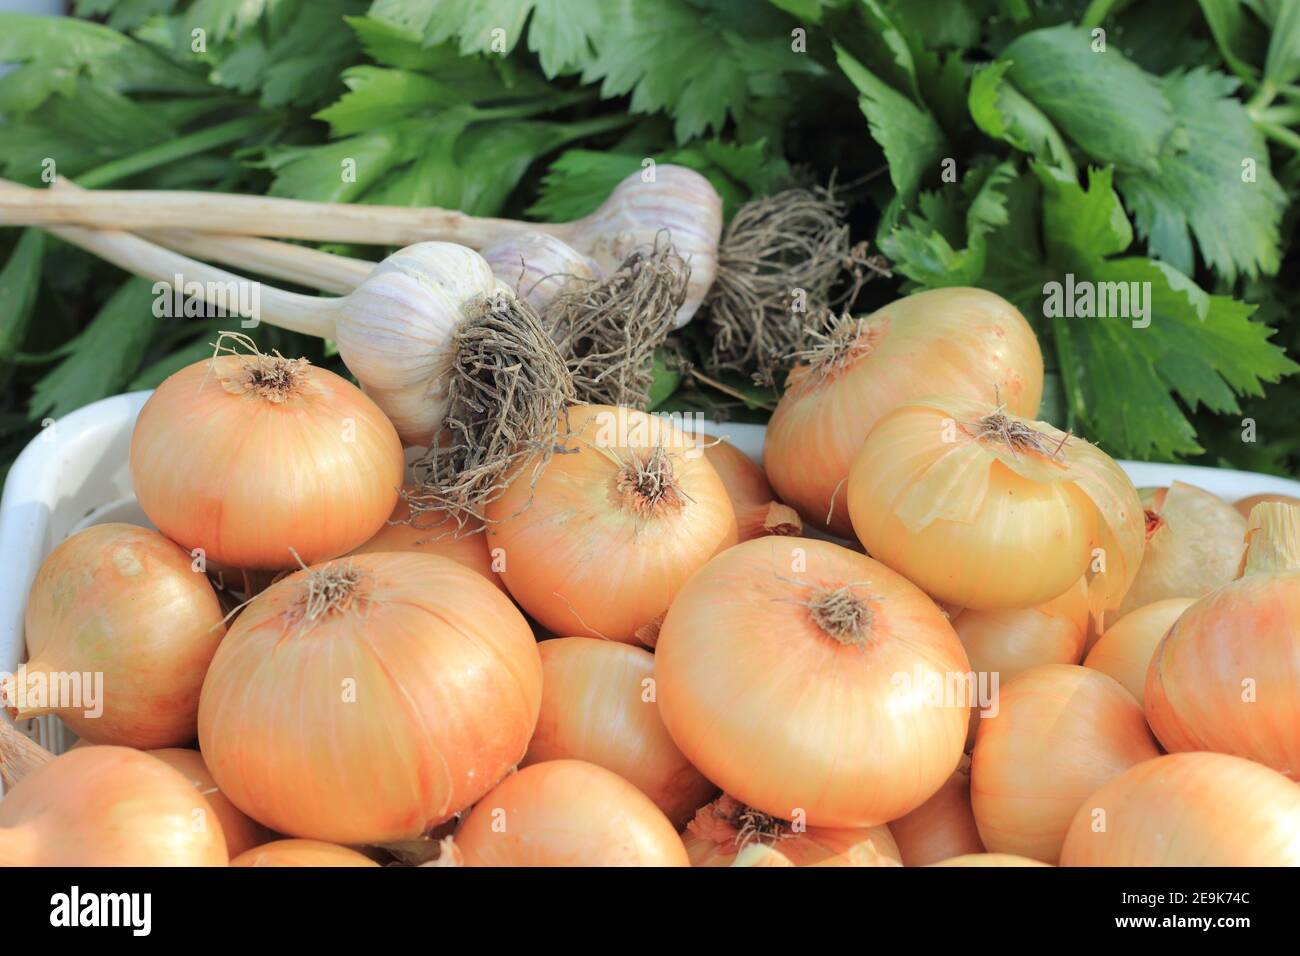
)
(536, 266)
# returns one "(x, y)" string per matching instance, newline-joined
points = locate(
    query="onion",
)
(723, 830)
(1227, 675)
(1194, 542)
(943, 826)
(370, 698)
(250, 456)
(437, 533)
(108, 806)
(1245, 505)
(757, 510)
(1009, 642)
(241, 831)
(568, 813)
(598, 705)
(1125, 650)
(990, 859)
(812, 683)
(602, 540)
(974, 343)
(301, 853)
(953, 493)
(120, 630)
(1191, 809)
(760, 854)
(1061, 732)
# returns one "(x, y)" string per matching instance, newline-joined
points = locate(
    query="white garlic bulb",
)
(536, 266)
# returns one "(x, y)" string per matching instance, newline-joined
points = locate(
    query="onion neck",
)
(1272, 539)
(13, 698)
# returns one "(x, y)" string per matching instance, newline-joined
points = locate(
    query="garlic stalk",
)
(666, 198)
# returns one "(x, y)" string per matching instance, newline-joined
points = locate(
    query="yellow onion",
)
(962, 499)
(252, 458)
(964, 342)
(990, 860)
(1227, 675)
(1188, 809)
(1061, 731)
(1125, 650)
(370, 698)
(601, 541)
(1194, 542)
(121, 614)
(302, 853)
(434, 532)
(241, 831)
(598, 705)
(757, 510)
(721, 832)
(943, 826)
(810, 682)
(1008, 642)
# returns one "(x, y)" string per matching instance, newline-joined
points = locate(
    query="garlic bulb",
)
(536, 266)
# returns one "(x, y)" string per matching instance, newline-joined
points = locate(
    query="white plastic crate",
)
(75, 474)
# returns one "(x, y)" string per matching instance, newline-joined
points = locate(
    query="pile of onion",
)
(723, 830)
(956, 494)
(252, 458)
(598, 705)
(1188, 809)
(123, 602)
(568, 813)
(778, 671)
(602, 539)
(1227, 675)
(370, 698)
(965, 342)
(1061, 731)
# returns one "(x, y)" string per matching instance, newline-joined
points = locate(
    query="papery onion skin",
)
(989, 860)
(123, 602)
(401, 708)
(942, 827)
(973, 342)
(786, 718)
(1244, 505)
(241, 831)
(311, 853)
(716, 838)
(568, 813)
(941, 495)
(598, 705)
(1009, 642)
(1126, 649)
(758, 512)
(434, 533)
(1194, 547)
(585, 552)
(1189, 809)
(108, 806)
(1061, 732)
(246, 479)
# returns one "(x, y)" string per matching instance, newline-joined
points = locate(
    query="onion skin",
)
(712, 839)
(401, 708)
(1189, 809)
(786, 717)
(568, 813)
(595, 709)
(241, 831)
(108, 806)
(942, 827)
(952, 493)
(1061, 732)
(124, 602)
(758, 513)
(302, 853)
(246, 479)
(989, 860)
(974, 342)
(1009, 642)
(1194, 548)
(586, 555)
(1126, 649)
(436, 534)
(1245, 504)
